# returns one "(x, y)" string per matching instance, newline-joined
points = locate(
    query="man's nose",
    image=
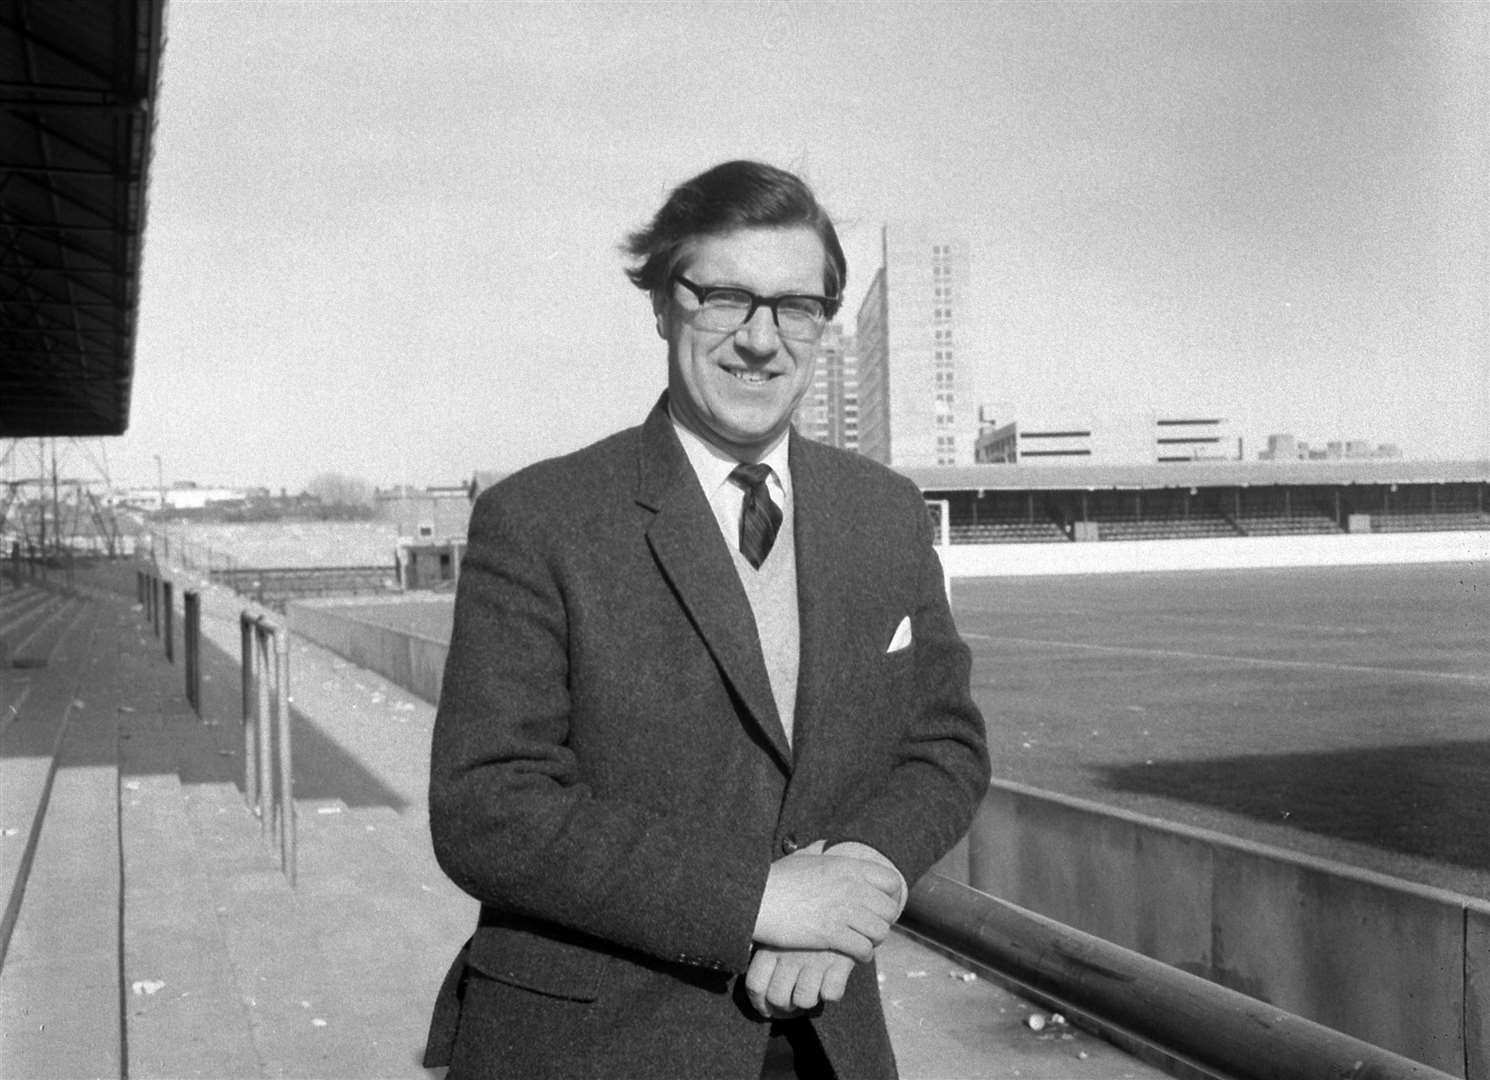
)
(759, 331)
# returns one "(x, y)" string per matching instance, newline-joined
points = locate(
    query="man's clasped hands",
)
(822, 912)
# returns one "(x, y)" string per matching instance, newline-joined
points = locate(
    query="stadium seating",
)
(1007, 531)
(1279, 523)
(1437, 521)
(1165, 528)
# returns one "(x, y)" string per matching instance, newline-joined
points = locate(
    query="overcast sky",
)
(382, 236)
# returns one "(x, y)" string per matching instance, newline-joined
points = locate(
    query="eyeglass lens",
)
(798, 318)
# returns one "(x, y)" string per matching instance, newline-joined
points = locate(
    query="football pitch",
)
(1340, 712)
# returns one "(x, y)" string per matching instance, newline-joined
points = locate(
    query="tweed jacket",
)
(611, 780)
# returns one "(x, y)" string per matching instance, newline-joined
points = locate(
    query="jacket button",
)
(789, 843)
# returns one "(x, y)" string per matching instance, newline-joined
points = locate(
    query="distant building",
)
(915, 392)
(829, 412)
(482, 479)
(181, 495)
(1034, 442)
(430, 513)
(1126, 439)
(1203, 437)
(1286, 447)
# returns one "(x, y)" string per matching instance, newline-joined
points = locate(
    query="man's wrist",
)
(855, 849)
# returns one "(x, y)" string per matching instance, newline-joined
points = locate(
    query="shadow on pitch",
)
(1428, 801)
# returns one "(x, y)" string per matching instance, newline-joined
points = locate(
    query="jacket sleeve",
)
(940, 769)
(511, 819)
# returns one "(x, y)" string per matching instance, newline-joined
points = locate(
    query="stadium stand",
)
(1423, 509)
(996, 504)
(1429, 522)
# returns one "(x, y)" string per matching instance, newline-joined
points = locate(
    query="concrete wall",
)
(1224, 553)
(1404, 967)
(406, 659)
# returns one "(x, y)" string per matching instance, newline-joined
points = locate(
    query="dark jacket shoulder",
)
(560, 488)
(857, 489)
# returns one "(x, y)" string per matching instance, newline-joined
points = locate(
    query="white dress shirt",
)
(712, 466)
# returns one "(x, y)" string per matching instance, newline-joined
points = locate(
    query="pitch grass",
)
(1341, 712)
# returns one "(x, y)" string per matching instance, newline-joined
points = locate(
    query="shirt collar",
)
(713, 466)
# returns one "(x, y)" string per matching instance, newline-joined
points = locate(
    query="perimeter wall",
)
(1226, 553)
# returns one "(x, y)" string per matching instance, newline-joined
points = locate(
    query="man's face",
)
(738, 390)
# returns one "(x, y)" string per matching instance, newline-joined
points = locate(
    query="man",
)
(701, 725)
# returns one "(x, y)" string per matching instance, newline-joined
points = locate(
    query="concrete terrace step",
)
(184, 1014)
(38, 702)
(344, 976)
(31, 637)
(22, 607)
(59, 986)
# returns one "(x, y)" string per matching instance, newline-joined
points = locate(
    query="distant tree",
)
(337, 490)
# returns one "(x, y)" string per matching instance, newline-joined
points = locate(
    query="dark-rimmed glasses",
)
(723, 309)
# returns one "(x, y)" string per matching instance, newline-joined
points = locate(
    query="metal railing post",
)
(169, 606)
(191, 631)
(265, 780)
(286, 774)
(250, 696)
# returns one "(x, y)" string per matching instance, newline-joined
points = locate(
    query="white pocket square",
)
(902, 638)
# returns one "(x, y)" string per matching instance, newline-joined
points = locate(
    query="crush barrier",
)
(268, 776)
(1402, 966)
(1141, 1003)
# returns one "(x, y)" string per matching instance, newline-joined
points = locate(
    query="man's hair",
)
(734, 195)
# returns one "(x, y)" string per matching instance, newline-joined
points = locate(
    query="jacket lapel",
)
(684, 538)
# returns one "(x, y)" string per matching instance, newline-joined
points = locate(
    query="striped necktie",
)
(760, 518)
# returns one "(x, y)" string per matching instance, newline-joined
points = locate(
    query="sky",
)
(382, 237)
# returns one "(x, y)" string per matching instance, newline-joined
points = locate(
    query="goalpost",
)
(941, 520)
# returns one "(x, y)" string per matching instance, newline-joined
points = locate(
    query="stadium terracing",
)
(147, 932)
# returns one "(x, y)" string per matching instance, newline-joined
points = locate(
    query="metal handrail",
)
(1148, 1001)
(268, 777)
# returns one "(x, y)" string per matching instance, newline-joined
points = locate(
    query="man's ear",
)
(659, 312)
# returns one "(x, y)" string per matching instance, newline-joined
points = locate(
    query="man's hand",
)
(785, 983)
(856, 850)
(815, 901)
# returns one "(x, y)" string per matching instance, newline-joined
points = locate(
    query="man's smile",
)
(751, 377)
